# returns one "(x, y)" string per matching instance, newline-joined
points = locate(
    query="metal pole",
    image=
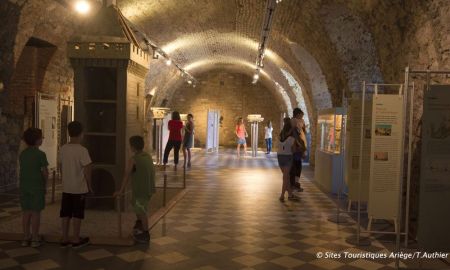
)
(400, 193)
(358, 230)
(53, 186)
(184, 177)
(358, 241)
(119, 216)
(410, 138)
(164, 188)
(256, 137)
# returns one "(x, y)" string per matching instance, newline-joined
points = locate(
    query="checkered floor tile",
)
(229, 219)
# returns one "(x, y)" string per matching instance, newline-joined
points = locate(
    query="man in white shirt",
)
(76, 173)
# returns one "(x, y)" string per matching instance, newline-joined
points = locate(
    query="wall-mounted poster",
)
(434, 209)
(47, 122)
(386, 156)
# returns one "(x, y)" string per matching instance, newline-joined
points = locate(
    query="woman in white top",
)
(285, 157)
(268, 136)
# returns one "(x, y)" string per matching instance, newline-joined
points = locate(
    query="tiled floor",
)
(230, 219)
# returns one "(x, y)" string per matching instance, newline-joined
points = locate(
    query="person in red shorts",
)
(175, 126)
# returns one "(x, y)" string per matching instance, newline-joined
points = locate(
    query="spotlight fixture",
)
(168, 62)
(155, 54)
(189, 82)
(82, 6)
(256, 76)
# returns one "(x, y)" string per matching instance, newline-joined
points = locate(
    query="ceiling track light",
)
(168, 61)
(265, 31)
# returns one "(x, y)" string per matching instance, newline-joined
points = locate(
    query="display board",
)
(434, 221)
(47, 122)
(353, 139)
(212, 130)
(386, 156)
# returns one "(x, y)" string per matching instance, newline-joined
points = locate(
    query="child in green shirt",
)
(33, 176)
(141, 171)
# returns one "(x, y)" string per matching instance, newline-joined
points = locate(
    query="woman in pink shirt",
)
(175, 126)
(241, 133)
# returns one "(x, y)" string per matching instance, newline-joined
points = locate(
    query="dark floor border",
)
(108, 241)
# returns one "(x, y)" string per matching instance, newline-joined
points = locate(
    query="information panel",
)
(48, 115)
(165, 130)
(353, 139)
(434, 208)
(386, 156)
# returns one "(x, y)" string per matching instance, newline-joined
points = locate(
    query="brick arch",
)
(29, 73)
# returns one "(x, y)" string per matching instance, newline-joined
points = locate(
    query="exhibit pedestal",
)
(254, 135)
(254, 119)
(158, 124)
(328, 171)
(329, 154)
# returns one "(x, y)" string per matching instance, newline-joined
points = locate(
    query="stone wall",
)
(10, 126)
(27, 67)
(234, 96)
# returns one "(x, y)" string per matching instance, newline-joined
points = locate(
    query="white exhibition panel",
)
(386, 156)
(47, 122)
(212, 130)
(165, 130)
(434, 208)
(353, 138)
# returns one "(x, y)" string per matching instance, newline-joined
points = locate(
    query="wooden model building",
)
(109, 74)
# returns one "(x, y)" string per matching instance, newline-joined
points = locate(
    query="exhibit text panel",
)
(434, 208)
(48, 115)
(386, 156)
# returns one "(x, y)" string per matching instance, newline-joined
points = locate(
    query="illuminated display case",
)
(329, 130)
(329, 150)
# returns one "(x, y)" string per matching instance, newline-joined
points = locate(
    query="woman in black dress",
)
(188, 139)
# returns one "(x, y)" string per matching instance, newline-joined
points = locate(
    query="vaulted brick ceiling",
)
(310, 51)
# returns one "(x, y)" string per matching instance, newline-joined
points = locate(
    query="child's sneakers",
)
(143, 237)
(65, 244)
(32, 242)
(137, 229)
(25, 242)
(84, 241)
(36, 243)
